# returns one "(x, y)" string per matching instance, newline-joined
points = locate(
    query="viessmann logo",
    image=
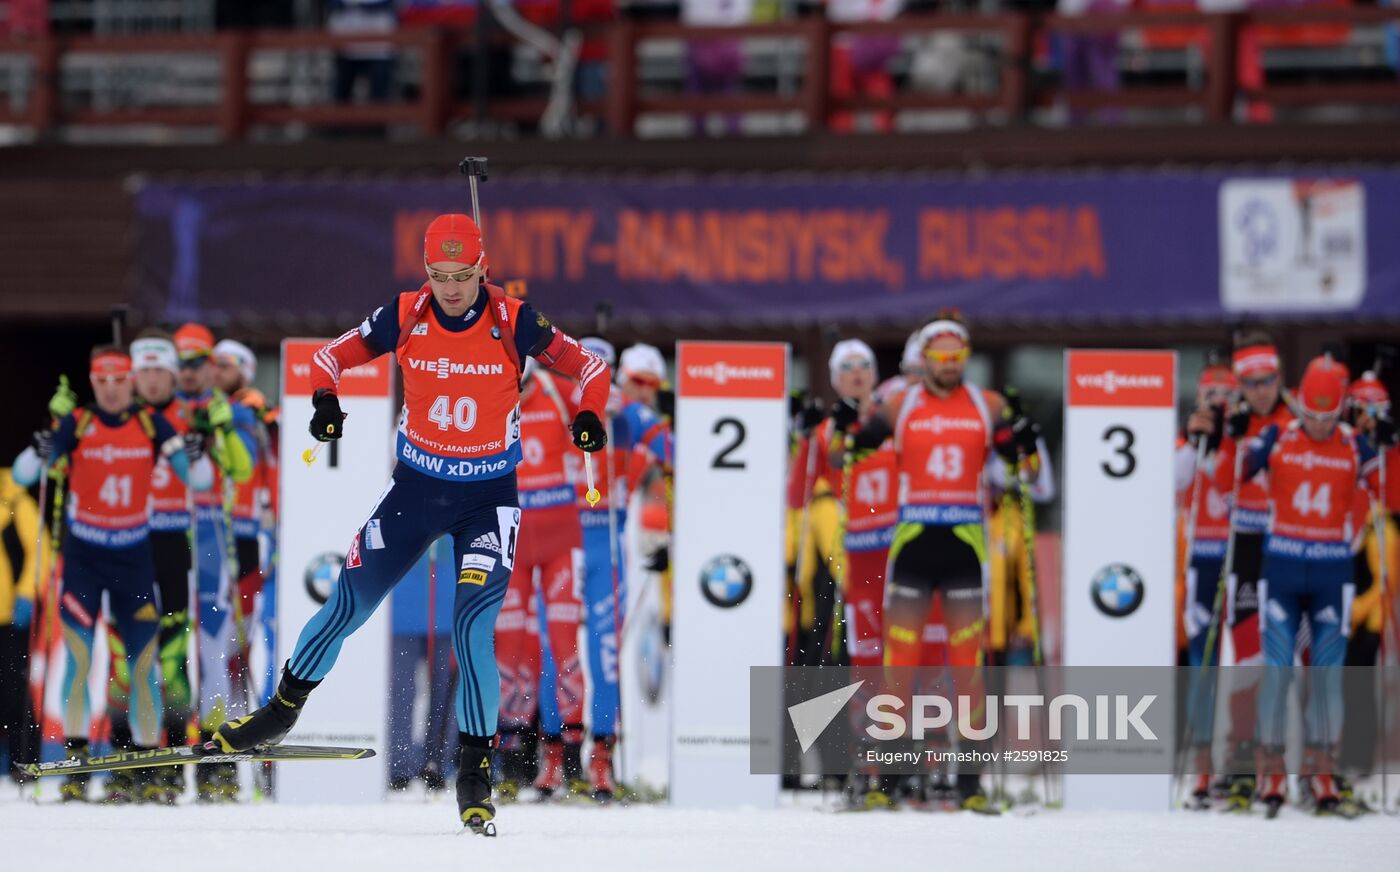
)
(722, 373)
(1308, 460)
(939, 424)
(110, 453)
(443, 367)
(1111, 381)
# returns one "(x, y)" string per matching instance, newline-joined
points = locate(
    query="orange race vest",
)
(1312, 491)
(873, 506)
(461, 410)
(942, 445)
(170, 508)
(545, 479)
(110, 481)
(1212, 514)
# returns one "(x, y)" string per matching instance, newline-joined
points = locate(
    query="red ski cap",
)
(453, 237)
(1323, 388)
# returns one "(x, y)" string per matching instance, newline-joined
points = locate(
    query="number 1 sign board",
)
(1119, 574)
(728, 574)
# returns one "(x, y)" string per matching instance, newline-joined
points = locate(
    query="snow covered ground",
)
(419, 836)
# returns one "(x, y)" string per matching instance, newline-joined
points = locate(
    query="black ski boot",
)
(268, 725)
(74, 787)
(432, 777)
(474, 804)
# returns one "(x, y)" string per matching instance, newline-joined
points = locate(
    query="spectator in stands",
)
(19, 531)
(371, 61)
(414, 645)
(860, 63)
(716, 66)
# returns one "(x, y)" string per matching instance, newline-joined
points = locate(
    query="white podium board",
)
(728, 581)
(322, 506)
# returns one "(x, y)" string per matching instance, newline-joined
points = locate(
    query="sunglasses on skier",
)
(941, 356)
(852, 365)
(1263, 381)
(461, 275)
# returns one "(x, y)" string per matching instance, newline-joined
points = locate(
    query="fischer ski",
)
(188, 754)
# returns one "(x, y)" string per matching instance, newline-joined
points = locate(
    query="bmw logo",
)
(321, 573)
(726, 581)
(1116, 590)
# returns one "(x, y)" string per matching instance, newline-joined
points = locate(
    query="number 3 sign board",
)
(728, 573)
(1119, 561)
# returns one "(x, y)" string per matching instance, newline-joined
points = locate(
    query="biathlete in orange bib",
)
(460, 345)
(1315, 466)
(944, 432)
(112, 448)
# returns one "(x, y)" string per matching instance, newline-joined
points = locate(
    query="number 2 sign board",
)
(1119, 573)
(728, 573)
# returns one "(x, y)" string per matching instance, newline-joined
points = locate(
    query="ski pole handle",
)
(592, 496)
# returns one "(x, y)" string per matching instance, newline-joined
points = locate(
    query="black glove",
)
(844, 414)
(1217, 432)
(1387, 435)
(1027, 434)
(796, 400)
(43, 444)
(1238, 423)
(871, 436)
(194, 447)
(809, 416)
(328, 422)
(659, 560)
(588, 432)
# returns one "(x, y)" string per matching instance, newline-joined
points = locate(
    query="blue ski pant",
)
(414, 511)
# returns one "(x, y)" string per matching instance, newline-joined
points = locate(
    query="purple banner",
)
(1120, 247)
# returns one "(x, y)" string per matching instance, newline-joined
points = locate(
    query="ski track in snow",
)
(408, 837)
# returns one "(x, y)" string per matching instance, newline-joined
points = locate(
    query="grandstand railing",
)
(224, 90)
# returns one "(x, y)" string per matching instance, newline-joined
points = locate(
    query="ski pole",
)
(1218, 606)
(1192, 513)
(614, 558)
(1028, 555)
(1379, 515)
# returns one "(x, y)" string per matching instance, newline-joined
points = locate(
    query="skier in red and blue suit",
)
(460, 346)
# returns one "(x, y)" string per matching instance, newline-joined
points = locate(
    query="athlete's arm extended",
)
(1257, 451)
(199, 475)
(376, 335)
(535, 336)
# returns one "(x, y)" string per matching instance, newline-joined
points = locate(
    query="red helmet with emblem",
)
(1324, 387)
(452, 237)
